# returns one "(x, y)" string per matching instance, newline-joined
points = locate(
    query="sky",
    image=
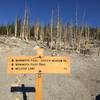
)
(42, 9)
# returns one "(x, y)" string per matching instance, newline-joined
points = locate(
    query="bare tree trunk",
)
(65, 37)
(51, 44)
(59, 32)
(36, 31)
(16, 27)
(7, 30)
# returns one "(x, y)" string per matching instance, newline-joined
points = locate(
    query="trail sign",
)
(34, 64)
(38, 65)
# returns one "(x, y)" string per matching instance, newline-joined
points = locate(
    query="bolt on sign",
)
(38, 65)
(34, 64)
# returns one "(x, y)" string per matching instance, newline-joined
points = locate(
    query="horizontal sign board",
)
(36, 64)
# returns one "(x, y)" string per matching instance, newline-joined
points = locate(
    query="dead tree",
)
(71, 35)
(98, 34)
(7, 28)
(36, 30)
(51, 31)
(87, 34)
(25, 34)
(86, 40)
(65, 36)
(77, 33)
(42, 34)
(48, 38)
(68, 36)
(16, 27)
(59, 32)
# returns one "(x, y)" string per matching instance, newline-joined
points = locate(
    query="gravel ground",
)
(82, 84)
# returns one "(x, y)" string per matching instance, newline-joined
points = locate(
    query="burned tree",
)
(42, 34)
(51, 31)
(25, 34)
(36, 30)
(59, 32)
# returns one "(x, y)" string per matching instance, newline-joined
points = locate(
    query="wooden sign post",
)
(39, 86)
(39, 65)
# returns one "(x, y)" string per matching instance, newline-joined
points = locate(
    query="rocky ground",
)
(82, 84)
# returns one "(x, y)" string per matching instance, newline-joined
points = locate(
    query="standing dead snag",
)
(65, 36)
(7, 28)
(25, 34)
(42, 34)
(36, 31)
(98, 34)
(76, 33)
(78, 30)
(16, 27)
(48, 35)
(59, 33)
(70, 35)
(87, 34)
(98, 38)
(51, 31)
(25, 28)
(86, 40)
